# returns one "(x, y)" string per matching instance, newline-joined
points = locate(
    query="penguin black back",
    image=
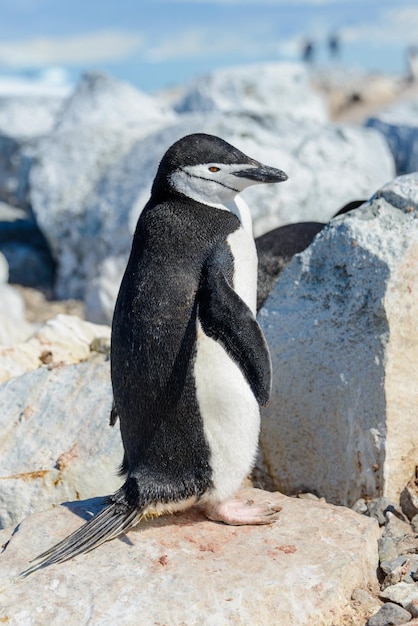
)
(159, 291)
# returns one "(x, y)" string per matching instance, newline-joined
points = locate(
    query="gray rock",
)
(300, 571)
(399, 126)
(56, 442)
(407, 544)
(396, 526)
(387, 548)
(27, 252)
(102, 101)
(4, 270)
(15, 163)
(87, 193)
(412, 607)
(392, 564)
(360, 506)
(27, 116)
(260, 90)
(343, 398)
(402, 593)
(378, 507)
(414, 524)
(389, 614)
(98, 126)
(409, 499)
(293, 145)
(402, 568)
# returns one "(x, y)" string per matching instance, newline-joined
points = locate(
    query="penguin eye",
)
(213, 168)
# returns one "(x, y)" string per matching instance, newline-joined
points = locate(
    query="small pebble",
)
(360, 506)
(395, 526)
(409, 499)
(408, 544)
(406, 566)
(389, 615)
(402, 593)
(387, 548)
(101, 345)
(308, 496)
(378, 507)
(413, 608)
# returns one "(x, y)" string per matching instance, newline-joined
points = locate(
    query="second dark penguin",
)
(189, 363)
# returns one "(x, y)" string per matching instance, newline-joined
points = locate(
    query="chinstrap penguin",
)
(189, 363)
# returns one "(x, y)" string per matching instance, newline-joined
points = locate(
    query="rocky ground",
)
(41, 307)
(355, 100)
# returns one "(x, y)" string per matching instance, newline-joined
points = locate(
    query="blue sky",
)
(160, 43)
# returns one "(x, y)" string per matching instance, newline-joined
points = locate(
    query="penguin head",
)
(209, 170)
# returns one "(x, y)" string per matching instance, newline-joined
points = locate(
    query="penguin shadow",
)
(86, 509)
(276, 248)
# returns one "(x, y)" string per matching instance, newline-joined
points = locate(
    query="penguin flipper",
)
(112, 521)
(225, 317)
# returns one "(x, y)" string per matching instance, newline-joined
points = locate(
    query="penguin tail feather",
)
(113, 520)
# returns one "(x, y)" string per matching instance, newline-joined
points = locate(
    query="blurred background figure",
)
(308, 51)
(334, 46)
(412, 60)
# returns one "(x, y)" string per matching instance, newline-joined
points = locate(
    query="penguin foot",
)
(241, 512)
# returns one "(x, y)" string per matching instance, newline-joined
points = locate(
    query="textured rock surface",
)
(13, 325)
(100, 254)
(15, 163)
(341, 325)
(260, 90)
(91, 177)
(56, 443)
(399, 126)
(28, 116)
(301, 570)
(389, 614)
(25, 248)
(402, 593)
(62, 339)
(100, 123)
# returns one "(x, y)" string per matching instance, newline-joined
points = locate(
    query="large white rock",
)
(98, 126)
(13, 325)
(261, 90)
(399, 125)
(316, 158)
(29, 106)
(56, 441)
(101, 100)
(342, 328)
(26, 116)
(188, 570)
(63, 339)
(93, 176)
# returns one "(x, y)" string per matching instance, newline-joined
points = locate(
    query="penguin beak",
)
(262, 174)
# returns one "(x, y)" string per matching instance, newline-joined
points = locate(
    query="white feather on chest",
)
(227, 405)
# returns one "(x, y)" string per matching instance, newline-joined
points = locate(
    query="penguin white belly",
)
(229, 410)
(230, 414)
